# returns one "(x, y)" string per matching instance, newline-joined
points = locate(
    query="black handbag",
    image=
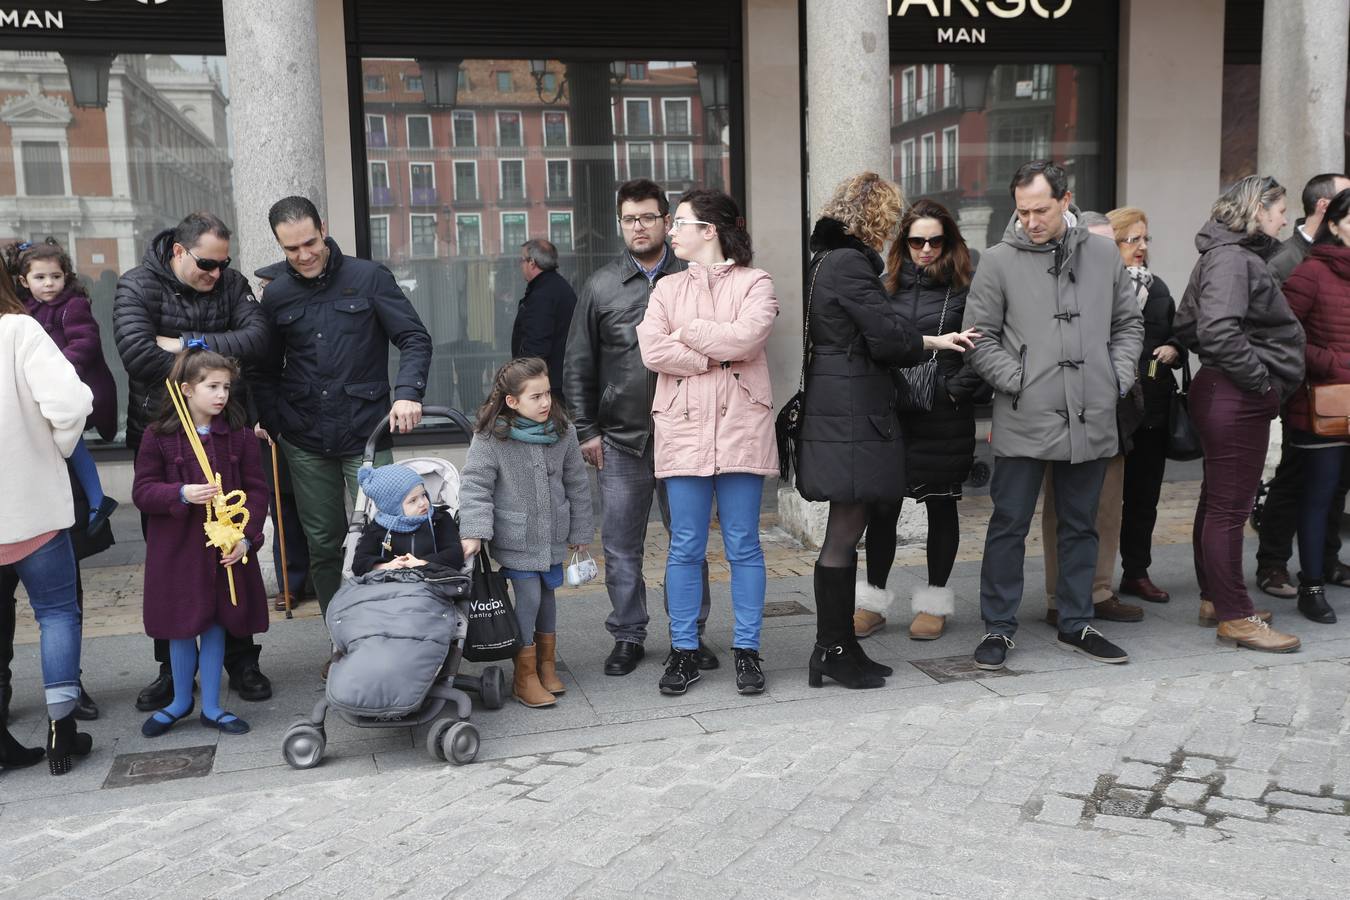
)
(915, 386)
(788, 426)
(493, 633)
(1183, 441)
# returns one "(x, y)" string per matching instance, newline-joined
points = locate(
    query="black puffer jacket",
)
(851, 449)
(1235, 316)
(326, 382)
(940, 444)
(607, 387)
(151, 301)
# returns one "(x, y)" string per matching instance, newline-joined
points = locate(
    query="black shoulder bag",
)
(1183, 441)
(916, 385)
(788, 426)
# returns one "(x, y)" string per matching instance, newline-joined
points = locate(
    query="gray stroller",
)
(428, 642)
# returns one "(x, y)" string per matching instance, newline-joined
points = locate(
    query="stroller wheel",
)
(303, 746)
(435, 735)
(460, 744)
(493, 687)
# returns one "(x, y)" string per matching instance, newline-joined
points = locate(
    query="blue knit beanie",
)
(386, 487)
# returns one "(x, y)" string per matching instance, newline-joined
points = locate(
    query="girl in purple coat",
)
(52, 293)
(187, 593)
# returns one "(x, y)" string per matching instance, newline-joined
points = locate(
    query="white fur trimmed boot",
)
(932, 606)
(871, 604)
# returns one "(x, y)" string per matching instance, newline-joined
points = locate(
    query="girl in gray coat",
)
(524, 489)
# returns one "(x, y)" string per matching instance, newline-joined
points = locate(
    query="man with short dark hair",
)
(611, 393)
(326, 382)
(184, 289)
(1060, 333)
(1279, 511)
(545, 313)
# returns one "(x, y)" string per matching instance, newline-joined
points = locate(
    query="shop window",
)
(679, 162)
(422, 235)
(560, 230)
(555, 129)
(675, 116)
(508, 130)
(559, 179)
(639, 160)
(419, 132)
(466, 180)
(512, 179)
(515, 231)
(379, 237)
(43, 173)
(469, 235)
(375, 136)
(637, 117)
(465, 127)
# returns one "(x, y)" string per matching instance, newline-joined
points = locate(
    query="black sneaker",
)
(749, 675)
(707, 659)
(993, 651)
(1090, 643)
(681, 671)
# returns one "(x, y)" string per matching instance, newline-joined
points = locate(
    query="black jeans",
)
(1279, 514)
(1144, 467)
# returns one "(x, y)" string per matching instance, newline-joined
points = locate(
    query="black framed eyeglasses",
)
(208, 265)
(647, 220)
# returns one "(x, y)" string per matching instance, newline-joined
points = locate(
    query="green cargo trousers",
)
(319, 483)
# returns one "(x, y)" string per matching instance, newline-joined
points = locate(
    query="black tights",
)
(944, 535)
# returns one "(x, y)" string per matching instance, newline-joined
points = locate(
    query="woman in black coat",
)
(930, 270)
(851, 452)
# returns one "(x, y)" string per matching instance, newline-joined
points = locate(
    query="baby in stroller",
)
(406, 531)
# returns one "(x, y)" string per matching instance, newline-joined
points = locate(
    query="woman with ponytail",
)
(524, 490)
(704, 334)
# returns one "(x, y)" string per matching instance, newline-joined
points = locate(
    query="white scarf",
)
(1142, 278)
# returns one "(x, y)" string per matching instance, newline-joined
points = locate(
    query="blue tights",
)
(86, 473)
(187, 661)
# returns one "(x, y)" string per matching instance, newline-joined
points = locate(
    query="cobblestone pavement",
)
(1231, 784)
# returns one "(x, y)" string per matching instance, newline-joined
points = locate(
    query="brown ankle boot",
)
(1255, 634)
(526, 687)
(926, 627)
(1210, 618)
(546, 648)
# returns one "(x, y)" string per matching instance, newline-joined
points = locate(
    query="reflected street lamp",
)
(440, 81)
(89, 78)
(974, 83)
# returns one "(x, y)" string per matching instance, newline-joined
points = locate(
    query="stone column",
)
(848, 124)
(272, 53)
(1303, 70)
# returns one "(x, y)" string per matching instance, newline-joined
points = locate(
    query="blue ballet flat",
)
(228, 723)
(153, 728)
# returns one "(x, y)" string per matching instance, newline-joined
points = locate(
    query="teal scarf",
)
(534, 432)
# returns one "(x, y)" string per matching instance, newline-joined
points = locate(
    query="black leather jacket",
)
(326, 383)
(608, 388)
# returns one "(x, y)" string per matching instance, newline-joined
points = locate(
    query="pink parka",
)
(704, 335)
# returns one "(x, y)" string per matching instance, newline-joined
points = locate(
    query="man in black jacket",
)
(611, 392)
(185, 289)
(545, 312)
(325, 386)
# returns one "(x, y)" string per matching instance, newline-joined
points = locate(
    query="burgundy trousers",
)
(1234, 427)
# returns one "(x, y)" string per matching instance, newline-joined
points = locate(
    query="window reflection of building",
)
(105, 181)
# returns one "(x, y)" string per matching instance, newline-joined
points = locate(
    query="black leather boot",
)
(842, 584)
(14, 755)
(63, 742)
(833, 655)
(1312, 602)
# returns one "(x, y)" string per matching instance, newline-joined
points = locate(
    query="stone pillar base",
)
(805, 519)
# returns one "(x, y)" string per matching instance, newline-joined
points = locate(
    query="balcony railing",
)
(381, 196)
(424, 196)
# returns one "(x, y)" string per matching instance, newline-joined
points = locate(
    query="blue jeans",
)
(738, 499)
(48, 574)
(1321, 480)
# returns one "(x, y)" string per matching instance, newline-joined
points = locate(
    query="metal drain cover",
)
(955, 668)
(784, 608)
(160, 765)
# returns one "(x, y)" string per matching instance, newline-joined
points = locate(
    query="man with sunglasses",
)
(610, 392)
(184, 289)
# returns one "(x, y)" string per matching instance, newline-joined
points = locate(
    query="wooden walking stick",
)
(284, 575)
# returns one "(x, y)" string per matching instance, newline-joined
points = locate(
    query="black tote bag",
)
(1183, 441)
(493, 632)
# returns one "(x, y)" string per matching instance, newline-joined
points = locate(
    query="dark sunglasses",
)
(917, 243)
(208, 265)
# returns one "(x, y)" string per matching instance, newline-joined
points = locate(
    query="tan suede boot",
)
(546, 648)
(932, 605)
(526, 687)
(1210, 618)
(1255, 634)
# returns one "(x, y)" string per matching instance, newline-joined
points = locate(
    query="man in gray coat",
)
(1060, 333)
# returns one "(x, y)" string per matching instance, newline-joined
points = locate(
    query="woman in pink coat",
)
(704, 335)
